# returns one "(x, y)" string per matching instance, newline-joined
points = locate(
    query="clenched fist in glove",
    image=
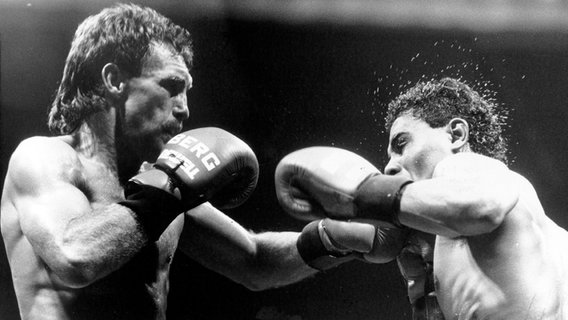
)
(415, 263)
(318, 182)
(325, 243)
(206, 164)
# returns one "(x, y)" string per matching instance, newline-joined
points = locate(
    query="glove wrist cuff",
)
(153, 208)
(378, 197)
(313, 251)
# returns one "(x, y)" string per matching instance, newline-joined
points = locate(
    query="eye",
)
(174, 86)
(398, 144)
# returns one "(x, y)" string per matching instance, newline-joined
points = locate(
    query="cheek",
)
(145, 110)
(421, 165)
(417, 165)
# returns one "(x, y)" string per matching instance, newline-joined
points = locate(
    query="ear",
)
(459, 131)
(113, 79)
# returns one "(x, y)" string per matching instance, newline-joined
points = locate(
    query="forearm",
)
(255, 260)
(99, 242)
(277, 261)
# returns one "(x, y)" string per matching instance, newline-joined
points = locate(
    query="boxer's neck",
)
(96, 140)
(466, 148)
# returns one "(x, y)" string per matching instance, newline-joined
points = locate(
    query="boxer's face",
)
(156, 103)
(415, 148)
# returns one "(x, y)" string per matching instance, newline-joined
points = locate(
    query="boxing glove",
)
(325, 243)
(206, 164)
(415, 263)
(318, 182)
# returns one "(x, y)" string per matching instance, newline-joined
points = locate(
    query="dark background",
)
(291, 78)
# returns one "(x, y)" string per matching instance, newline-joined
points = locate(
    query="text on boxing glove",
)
(201, 150)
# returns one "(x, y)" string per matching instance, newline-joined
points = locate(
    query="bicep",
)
(43, 216)
(45, 199)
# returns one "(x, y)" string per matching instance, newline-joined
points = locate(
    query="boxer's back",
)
(510, 273)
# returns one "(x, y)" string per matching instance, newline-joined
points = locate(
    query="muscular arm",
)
(73, 225)
(258, 261)
(469, 194)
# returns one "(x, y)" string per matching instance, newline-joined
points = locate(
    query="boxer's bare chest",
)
(138, 290)
(479, 279)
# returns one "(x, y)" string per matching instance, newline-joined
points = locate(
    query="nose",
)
(392, 168)
(180, 110)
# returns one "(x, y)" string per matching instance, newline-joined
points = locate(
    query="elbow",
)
(490, 220)
(493, 210)
(256, 279)
(257, 285)
(485, 212)
(74, 280)
(253, 282)
(74, 272)
(73, 277)
(257, 275)
(481, 219)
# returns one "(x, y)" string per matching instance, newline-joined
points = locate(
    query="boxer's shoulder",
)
(469, 163)
(43, 148)
(42, 158)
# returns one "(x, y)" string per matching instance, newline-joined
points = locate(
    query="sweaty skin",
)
(32, 223)
(76, 254)
(497, 255)
(512, 272)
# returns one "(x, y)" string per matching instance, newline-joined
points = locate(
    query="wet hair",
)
(438, 101)
(124, 35)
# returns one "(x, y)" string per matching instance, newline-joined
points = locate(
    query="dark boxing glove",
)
(415, 263)
(326, 243)
(206, 164)
(316, 182)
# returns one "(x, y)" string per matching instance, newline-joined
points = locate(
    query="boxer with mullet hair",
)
(90, 226)
(110, 36)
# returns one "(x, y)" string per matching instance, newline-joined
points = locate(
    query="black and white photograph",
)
(283, 160)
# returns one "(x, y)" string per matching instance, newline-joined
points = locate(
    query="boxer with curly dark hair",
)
(438, 101)
(478, 242)
(496, 255)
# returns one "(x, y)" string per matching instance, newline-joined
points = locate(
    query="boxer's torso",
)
(518, 271)
(138, 290)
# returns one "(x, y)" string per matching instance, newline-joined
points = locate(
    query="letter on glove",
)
(206, 164)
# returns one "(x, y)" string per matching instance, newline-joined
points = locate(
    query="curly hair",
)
(122, 34)
(437, 102)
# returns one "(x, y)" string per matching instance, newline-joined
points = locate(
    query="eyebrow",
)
(177, 78)
(179, 74)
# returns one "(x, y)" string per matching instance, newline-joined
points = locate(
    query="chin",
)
(152, 150)
(156, 148)
(165, 137)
